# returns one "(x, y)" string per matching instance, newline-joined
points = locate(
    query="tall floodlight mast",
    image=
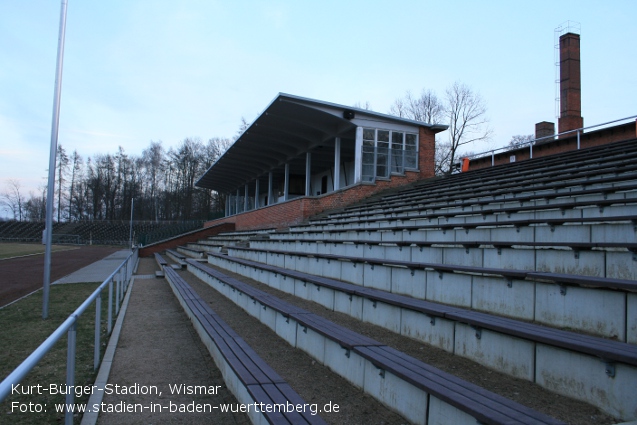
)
(50, 192)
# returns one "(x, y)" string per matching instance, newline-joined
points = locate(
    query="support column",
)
(270, 189)
(308, 174)
(358, 156)
(337, 163)
(236, 201)
(226, 208)
(246, 199)
(256, 194)
(286, 184)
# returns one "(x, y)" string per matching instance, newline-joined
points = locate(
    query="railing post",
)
(70, 373)
(110, 306)
(98, 323)
(117, 292)
(126, 278)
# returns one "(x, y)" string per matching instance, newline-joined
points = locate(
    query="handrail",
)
(69, 325)
(552, 137)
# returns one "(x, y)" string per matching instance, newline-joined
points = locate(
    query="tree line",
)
(162, 182)
(159, 182)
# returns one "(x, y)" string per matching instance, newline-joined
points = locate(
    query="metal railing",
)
(531, 143)
(122, 277)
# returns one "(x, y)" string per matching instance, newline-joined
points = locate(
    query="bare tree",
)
(466, 114)
(520, 140)
(12, 200)
(426, 108)
(242, 127)
(365, 105)
(76, 169)
(462, 109)
(63, 165)
(35, 207)
(152, 162)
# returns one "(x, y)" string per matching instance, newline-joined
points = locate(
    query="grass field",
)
(22, 330)
(9, 250)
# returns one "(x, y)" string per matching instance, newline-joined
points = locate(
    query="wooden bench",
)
(518, 174)
(444, 192)
(509, 274)
(596, 346)
(161, 262)
(192, 252)
(262, 382)
(462, 200)
(508, 211)
(552, 222)
(455, 189)
(179, 258)
(485, 406)
(574, 246)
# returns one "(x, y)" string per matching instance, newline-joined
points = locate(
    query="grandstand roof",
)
(289, 127)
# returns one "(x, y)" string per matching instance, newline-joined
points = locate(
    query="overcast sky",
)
(142, 70)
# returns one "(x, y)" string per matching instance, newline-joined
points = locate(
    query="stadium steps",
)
(485, 265)
(419, 392)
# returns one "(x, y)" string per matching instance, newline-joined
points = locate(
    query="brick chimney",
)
(544, 129)
(570, 84)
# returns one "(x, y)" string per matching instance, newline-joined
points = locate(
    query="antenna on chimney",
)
(564, 28)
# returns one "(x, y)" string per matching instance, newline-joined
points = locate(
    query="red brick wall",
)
(587, 140)
(217, 228)
(297, 210)
(426, 152)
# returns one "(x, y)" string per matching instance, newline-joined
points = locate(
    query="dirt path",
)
(159, 347)
(21, 276)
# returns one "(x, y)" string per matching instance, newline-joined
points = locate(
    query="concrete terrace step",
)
(417, 390)
(540, 354)
(607, 259)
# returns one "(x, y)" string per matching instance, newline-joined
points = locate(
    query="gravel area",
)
(159, 347)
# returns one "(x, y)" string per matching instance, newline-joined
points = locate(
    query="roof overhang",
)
(289, 127)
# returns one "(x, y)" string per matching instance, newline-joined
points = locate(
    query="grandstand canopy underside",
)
(297, 139)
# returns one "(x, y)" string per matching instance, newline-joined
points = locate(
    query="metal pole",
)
(110, 307)
(117, 292)
(98, 323)
(70, 373)
(50, 193)
(132, 208)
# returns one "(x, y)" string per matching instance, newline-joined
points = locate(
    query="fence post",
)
(110, 305)
(117, 292)
(98, 323)
(70, 373)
